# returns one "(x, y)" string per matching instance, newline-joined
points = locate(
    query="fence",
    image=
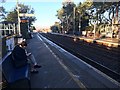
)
(7, 33)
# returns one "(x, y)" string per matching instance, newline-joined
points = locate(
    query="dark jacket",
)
(19, 56)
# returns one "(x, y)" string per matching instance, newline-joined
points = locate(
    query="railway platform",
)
(110, 42)
(60, 69)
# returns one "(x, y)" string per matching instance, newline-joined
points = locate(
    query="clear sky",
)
(45, 10)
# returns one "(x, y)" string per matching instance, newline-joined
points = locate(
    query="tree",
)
(102, 7)
(13, 17)
(68, 7)
(65, 14)
(83, 16)
(2, 13)
(60, 14)
(56, 28)
(100, 10)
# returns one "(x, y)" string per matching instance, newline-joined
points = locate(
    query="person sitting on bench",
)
(21, 57)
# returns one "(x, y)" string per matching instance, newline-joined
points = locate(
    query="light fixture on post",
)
(79, 22)
(18, 19)
(74, 19)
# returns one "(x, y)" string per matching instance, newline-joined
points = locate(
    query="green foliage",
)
(60, 14)
(65, 14)
(66, 10)
(87, 12)
(102, 7)
(2, 13)
(56, 27)
(68, 7)
(13, 15)
(32, 28)
(2, 10)
(24, 8)
(82, 8)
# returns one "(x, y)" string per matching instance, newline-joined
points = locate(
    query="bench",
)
(15, 77)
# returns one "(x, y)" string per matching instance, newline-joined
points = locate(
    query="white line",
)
(39, 38)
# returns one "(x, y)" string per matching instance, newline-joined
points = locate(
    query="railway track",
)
(107, 62)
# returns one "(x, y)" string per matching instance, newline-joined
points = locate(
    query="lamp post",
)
(74, 19)
(79, 23)
(67, 22)
(94, 30)
(62, 26)
(18, 19)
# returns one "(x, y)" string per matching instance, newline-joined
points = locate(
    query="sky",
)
(45, 10)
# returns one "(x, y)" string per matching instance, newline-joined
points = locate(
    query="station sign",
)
(26, 15)
(24, 21)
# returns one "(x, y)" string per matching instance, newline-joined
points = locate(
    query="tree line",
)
(82, 17)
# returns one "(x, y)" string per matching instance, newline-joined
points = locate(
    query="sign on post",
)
(26, 15)
(24, 21)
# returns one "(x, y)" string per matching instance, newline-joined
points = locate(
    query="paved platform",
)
(51, 74)
(110, 42)
(60, 69)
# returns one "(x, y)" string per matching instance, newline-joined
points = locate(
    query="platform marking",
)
(65, 67)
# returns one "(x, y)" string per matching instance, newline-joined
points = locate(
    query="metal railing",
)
(7, 32)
